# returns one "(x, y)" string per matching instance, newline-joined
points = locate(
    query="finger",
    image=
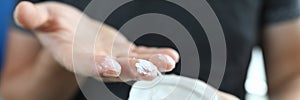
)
(163, 62)
(30, 16)
(167, 51)
(107, 67)
(97, 66)
(134, 69)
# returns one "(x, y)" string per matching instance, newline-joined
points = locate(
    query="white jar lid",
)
(171, 87)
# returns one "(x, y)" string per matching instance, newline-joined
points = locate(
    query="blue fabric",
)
(5, 17)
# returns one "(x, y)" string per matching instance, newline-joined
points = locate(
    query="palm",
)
(114, 55)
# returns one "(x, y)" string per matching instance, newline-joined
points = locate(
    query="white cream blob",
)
(146, 68)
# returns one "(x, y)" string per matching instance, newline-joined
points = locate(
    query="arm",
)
(31, 74)
(281, 43)
(41, 68)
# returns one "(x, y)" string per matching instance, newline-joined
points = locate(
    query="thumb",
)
(30, 16)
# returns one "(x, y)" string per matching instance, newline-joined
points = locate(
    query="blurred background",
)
(255, 84)
(5, 19)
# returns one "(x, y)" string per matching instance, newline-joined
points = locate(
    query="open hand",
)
(115, 58)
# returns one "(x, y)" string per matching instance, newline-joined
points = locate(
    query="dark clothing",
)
(241, 20)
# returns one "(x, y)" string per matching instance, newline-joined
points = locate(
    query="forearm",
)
(32, 73)
(282, 56)
(288, 91)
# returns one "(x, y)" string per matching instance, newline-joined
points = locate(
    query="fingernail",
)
(110, 73)
(146, 68)
(164, 62)
(109, 67)
(170, 61)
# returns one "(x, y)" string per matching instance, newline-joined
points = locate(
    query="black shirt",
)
(241, 20)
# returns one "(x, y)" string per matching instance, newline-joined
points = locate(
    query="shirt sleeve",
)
(275, 11)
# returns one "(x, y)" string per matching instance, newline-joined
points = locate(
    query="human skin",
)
(35, 69)
(41, 67)
(281, 46)
(43, 70)
(114, 55)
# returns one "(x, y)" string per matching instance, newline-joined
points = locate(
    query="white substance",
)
(172, 88)
(160, 56)
(146, 68)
